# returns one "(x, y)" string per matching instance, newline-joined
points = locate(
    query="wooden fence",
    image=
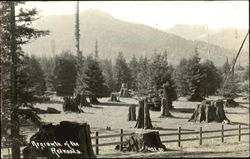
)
(179, 135)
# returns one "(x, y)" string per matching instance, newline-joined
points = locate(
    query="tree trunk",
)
(143, 118)
(14, 116)
(66, 140)
(132, 113)
(209, 111)
(144, 142)
(164, 108)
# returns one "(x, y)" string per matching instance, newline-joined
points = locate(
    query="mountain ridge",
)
(116, 35)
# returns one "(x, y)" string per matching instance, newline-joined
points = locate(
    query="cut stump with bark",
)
(114, 97)
(209, 111)
(70, 105)
(143, 117)
(165, 109)
(65, 140)
(231, 103)
(132, 113)
(144, 142)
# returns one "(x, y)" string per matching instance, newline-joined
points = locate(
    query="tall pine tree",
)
(16, 30)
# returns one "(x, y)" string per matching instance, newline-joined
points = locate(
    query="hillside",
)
(229, 37)
(115, 35)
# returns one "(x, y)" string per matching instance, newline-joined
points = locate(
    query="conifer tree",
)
(16, 30)
(90, 81)
(133, 65)
(107, 71)
(122, 72)
(65, 71)
(143, 76)
(189, 78)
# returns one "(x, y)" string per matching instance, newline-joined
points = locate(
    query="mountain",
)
(115, 35)
(228, 37)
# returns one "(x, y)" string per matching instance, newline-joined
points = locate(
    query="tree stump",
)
(164, 108)
(132, 113)
(144, 142)
(71, 105)
(231, 103)
(81, 101)
(143, 117)
(66, 140)
(114, 97)
(209, 111)
(124, 90)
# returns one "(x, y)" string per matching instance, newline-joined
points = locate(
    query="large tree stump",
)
(124, 90)
(143, 142)
(143, 117)
(81, 101)
(164, 108)
(132, 113)
(114, 97)
(209, 111)
(66, 140)
(231, 103)
(70, 105)
(167, 96)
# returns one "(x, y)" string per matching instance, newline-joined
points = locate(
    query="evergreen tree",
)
(143, 76)
(133, 65)
(91, 81)
(65, 71)
(107, 71)
(48, 67)
(122, 72)
(229, 88)
(159, 70)
(36, 76)
(16, 30)
(189, 78)
(212, 80)
(195, 77)
(181, 77)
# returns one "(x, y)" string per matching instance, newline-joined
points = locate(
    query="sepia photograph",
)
(124, 79)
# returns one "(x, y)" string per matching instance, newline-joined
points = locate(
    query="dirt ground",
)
(114, 115)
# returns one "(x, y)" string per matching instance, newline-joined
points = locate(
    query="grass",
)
(114, 115)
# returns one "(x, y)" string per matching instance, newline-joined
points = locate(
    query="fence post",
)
(179, 136)
(239, 132)
(96, 142)
(121, 139)
(200, 135)
(222, 133)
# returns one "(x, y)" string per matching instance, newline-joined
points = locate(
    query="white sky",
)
(161, 14)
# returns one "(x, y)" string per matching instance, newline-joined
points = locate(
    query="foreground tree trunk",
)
(144, 142)
(132, 113)
(209, 111)
(66, 140)
(143, 118)
(15, 147)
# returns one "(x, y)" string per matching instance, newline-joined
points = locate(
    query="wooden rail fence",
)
(179, 135)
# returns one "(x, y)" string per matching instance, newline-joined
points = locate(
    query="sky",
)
(160, 14)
